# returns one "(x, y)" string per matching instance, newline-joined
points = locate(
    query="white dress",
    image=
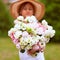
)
(25, 56)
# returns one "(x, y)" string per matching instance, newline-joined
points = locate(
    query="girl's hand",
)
(34, 49)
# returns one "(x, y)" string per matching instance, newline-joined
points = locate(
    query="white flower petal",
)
(17, 34)
(21, 18)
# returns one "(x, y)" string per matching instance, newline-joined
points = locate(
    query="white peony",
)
(44, 39)
(21, 18)
(27, 19)
(49, 27)
(33, 25)
(36, 38)
(23, 41)
(12, 30)
(44, 23)
(32, 42)
(23, 26)
(29, 25)
(17, 26)
(40, 31)
(17, 34)
(49, 33)
(33, 19)
(25, 34)
(17, 22)
(52, 33)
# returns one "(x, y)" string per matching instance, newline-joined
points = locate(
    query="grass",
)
(8, 50)
(52, 51)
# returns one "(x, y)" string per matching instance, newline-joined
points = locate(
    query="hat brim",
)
(39, 13)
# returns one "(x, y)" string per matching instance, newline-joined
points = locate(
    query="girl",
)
(28, 8)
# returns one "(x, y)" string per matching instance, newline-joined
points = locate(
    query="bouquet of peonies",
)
(28, 33)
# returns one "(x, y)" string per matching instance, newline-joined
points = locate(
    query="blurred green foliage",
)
(52, 8)
(5, 19)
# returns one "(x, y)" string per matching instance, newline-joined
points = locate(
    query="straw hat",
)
(39, 8)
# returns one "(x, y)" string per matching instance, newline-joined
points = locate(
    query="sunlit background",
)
(8, 50)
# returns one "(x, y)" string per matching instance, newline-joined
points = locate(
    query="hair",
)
(22, 6)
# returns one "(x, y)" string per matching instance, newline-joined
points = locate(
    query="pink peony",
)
(15, 41)
(25, 34)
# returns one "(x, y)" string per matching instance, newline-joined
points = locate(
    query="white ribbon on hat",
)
(11, 1)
